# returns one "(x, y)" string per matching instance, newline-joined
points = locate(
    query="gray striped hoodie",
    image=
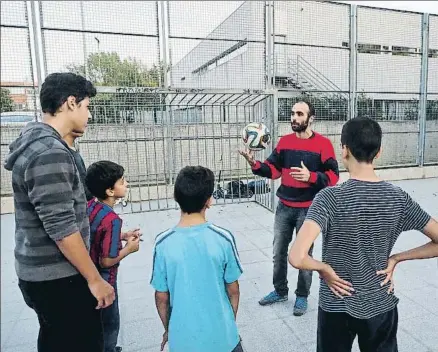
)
(49, 202)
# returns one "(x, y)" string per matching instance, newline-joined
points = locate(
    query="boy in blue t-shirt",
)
(195, 271)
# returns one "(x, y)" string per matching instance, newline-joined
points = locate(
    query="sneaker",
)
(273, 297)
(300, 306)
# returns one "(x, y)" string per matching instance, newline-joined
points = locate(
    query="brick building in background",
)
(23, 94)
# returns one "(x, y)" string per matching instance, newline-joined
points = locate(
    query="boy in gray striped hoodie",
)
(57, 277)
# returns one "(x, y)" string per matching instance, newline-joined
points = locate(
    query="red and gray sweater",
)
(318, 156)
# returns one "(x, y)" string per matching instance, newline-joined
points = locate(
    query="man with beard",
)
(306, 163)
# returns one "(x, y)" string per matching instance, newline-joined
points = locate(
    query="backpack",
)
(237, 188)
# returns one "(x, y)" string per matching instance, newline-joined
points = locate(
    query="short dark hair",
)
(194, 185)
(57, 87)
(101, 176)
(363, 137)
(312, 111)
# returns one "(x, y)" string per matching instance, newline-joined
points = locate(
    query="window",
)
(403, 51)
(369, 48)
(227, 55)
(433, 53)
(231, 56)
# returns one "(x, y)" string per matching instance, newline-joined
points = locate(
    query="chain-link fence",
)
(177, 80)
(388, 78)
(431, 136)
(303, 42)
(170, 129)
(113, 43)
(217, 44)
(18, 92)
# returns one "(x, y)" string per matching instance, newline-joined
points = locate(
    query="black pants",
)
(111, 324)
(337, 331)
(66, 312)
(287, 220)
(238, 348)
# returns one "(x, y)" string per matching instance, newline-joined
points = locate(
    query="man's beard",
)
(300, 127)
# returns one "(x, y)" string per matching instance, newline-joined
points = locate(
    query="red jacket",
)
(318, 156)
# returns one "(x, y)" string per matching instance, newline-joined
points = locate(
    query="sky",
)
(187, 19)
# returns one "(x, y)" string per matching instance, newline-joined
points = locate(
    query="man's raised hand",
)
(248, 155)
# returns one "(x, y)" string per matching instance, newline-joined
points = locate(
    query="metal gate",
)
(154, 133)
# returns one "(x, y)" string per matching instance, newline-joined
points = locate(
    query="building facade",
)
(311, 56)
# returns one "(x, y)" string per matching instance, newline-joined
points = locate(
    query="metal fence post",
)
(423, 87)
(274, 141)
(163, 33)
(269, 50)
(270, 80)
(38, 49)
(84, 40)
(163, 41)
(353, 62)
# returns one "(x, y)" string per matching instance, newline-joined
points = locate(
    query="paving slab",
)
(263, 329)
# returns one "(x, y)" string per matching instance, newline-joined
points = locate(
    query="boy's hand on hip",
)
(389, 272)
(338, 286)
(103, 292)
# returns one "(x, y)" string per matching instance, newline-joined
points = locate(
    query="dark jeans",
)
(66, 310)
(111, 324)
(287, 220)
(238, 348)
(337, 331)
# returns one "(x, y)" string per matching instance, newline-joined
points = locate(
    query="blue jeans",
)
(238, 348)
(288, 219)
(111, 324)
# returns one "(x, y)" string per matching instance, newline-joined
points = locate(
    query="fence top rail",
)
(155, 90)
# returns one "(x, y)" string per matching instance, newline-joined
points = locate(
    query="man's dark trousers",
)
(288, 219)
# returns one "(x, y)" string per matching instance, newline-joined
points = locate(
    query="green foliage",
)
(335, 108)
(331, 107)
(6, 102)
(109, 70)
(432, 110)
(366, 107)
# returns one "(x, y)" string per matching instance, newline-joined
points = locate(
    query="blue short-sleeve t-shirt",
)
(194, 264)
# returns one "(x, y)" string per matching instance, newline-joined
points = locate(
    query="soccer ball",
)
(256, 136)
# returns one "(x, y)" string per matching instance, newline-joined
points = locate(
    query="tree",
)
(432, 110)
(108, 69)
(6, 102)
